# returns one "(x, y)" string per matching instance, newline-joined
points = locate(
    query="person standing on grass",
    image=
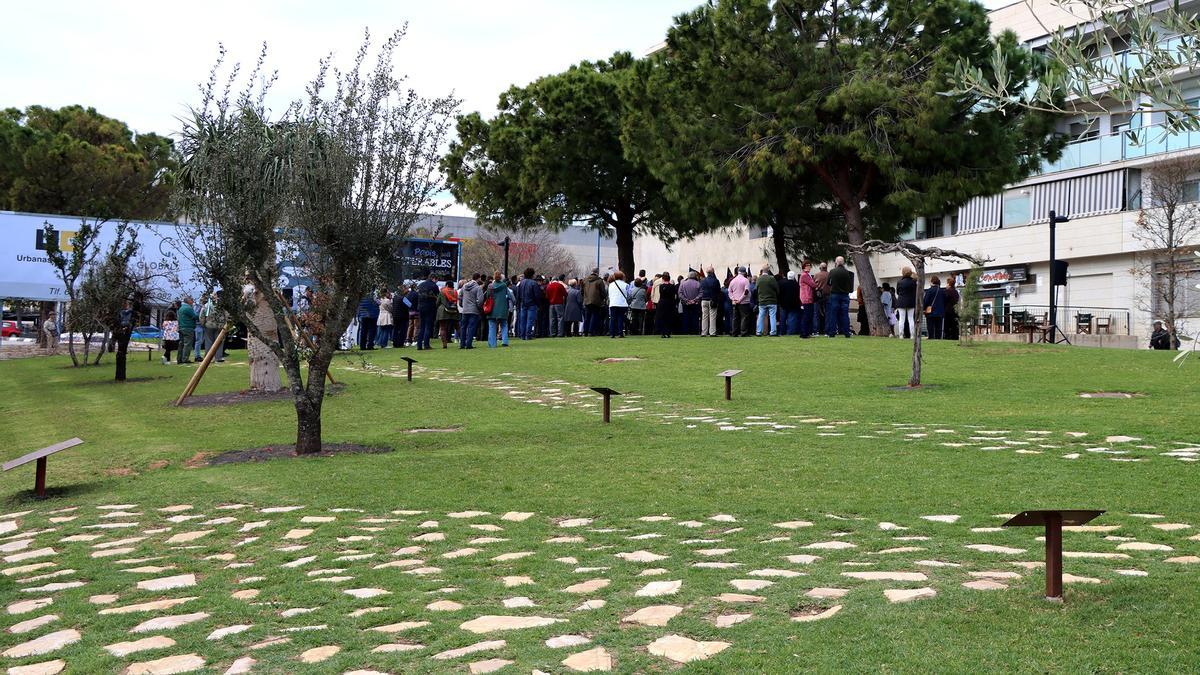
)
(652, 292)
(529, 294)
(367, 314)
(933, 304)
(637, 308)
(187, 329)
(888, 298)
(822, 300)
(198, 329)
(383, 325)
(573, 309)
(50, 333)
(556, 299)
(413, 301)
(594, 291)
(1161, 338)
(399, 317)
(841, 284)
(499, 294)
(170, 336)
(864, 327)
(471, 299)
(906, 304)
(668, 296)
(710, 303)
(789, 305)
(950, 323)
(213, 319)
(428, 296)
(808, 301)
(618, 305)
(739, 295)
(768, 302)
(447, 312)
(689, 298)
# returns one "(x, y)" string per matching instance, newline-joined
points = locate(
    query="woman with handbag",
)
(934, 303)
(495, 308)
(618, 304)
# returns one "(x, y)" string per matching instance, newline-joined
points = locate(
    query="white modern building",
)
(1098, 183)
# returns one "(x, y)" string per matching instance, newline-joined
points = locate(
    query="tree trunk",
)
(308, 424)
(779, 241)
(122, 340)
(264, 365)
(104, 347)
(856, 235)
(624, 230)
(918, 319)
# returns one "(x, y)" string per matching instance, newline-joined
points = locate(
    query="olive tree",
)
(331, 184)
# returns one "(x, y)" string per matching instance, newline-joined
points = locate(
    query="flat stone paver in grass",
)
(655, 589)
(488, 645)
(816, 615)
(908, 594)
(493, 623)
(120, 649)
(682, 649)
(44, 644)
(655, 615)
(591, 661)
(44, 668)
(184, 663)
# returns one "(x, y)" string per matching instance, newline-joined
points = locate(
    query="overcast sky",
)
(141, 61)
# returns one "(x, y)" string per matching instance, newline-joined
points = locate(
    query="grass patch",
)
(812, 435)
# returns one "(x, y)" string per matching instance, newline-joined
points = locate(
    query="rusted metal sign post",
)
(39, 481)
(606, 393)
(1053, 522)
(728, 375)
(409, 362)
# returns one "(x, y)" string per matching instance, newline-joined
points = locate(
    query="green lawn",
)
(813, 434)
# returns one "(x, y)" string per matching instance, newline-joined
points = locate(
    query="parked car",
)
(10, 329)
(146, 333)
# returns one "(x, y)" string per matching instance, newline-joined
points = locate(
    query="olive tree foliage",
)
(330, 185)
(1103, 53)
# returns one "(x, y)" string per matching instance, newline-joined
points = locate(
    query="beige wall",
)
(1031, 19)
(728, 247)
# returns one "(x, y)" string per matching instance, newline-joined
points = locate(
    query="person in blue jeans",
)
(427, 304)
(529, 296)
(841, 284)
(498, 318)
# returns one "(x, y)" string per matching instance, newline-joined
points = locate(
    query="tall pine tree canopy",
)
(75, 161)
(848, 95)
(553, 157)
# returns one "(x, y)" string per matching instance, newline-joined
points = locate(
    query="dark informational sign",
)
(418, 258)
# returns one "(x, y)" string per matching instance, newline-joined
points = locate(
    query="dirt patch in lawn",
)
(269, 452)
(905, 387)
(129, 380)
(248, 396)
(1110, 394)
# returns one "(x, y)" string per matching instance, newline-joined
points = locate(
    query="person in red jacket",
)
(556, 296)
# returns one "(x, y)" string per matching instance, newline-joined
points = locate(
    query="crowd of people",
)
(530, 306)
(190, 327)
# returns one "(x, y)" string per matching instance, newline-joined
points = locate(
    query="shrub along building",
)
(1118, 173)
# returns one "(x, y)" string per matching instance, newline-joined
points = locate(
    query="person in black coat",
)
(906, 303)
(933, 304)
(668, 298)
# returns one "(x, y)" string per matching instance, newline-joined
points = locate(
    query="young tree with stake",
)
(335, 182)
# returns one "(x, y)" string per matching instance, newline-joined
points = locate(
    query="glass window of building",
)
(1017, 208)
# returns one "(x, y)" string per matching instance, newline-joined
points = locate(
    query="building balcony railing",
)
(1127, 144)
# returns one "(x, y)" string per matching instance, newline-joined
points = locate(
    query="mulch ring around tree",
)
(248, 396)
(269, 452)
(905, 387)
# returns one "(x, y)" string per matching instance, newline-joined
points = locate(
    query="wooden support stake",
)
(199, 374)
(1054, 557)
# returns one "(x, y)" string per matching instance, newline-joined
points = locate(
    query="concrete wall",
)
(728, 247)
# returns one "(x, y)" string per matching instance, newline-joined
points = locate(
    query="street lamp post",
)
(505, 244)
(1055, 332)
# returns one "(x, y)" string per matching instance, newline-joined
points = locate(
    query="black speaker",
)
(1058, 273)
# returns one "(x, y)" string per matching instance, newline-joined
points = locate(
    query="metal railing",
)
(1072, 319)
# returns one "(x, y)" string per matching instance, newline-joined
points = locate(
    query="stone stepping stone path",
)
(558, 394)
(188, 591)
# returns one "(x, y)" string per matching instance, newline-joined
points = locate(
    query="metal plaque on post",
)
(410, 363)
(606, 393)
(1053, 521)
(39, 481)
(728, 375)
